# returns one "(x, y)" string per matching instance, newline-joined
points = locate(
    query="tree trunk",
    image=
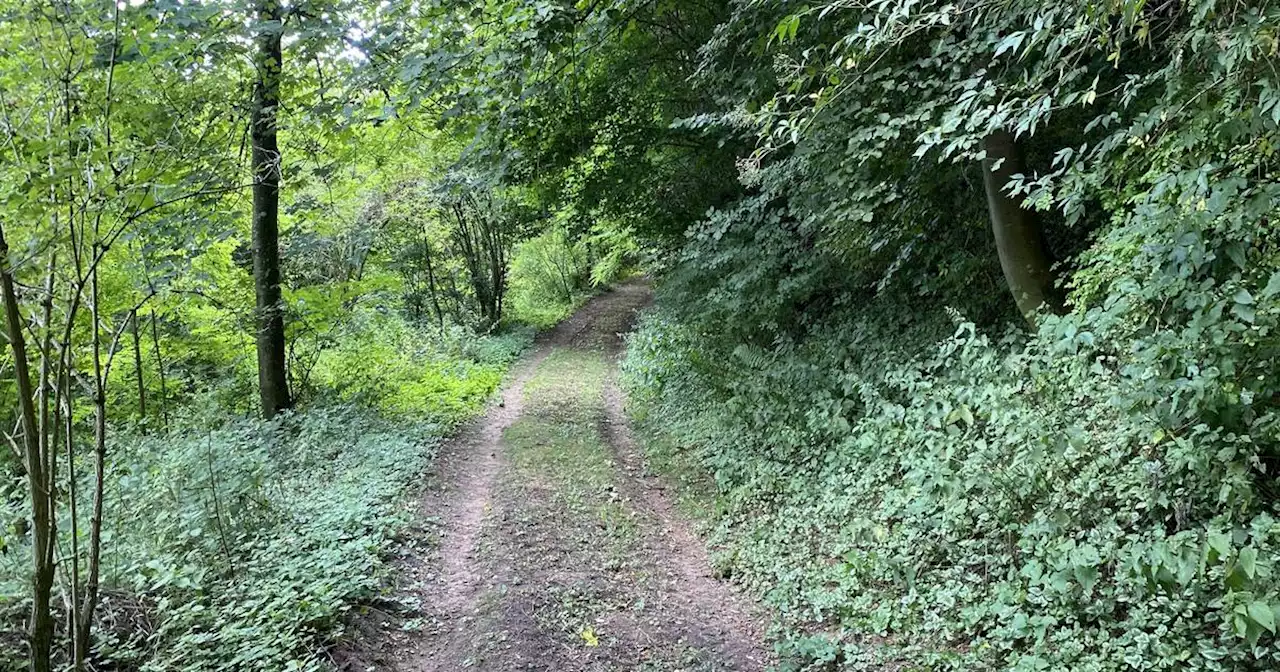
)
(431, 278)
(41, 625)
(1024, 255)
(469, 237)
(456, 295)
(84, 620)
(164, 391)
(273, 387)
(497, 268)
(137, 368)
(49, 417)
(73, 500)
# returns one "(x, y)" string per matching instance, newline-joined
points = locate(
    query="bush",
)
(233, 544)
(1008, 504)
(410, 372)
(548, 278)
(1098, 493)
(242, 547)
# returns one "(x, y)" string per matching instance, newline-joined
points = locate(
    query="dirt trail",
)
(547, 547)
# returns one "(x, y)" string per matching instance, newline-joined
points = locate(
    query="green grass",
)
(558, 440)
(565, 489)
(693, 488)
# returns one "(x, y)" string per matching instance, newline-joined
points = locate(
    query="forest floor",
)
(545, 544)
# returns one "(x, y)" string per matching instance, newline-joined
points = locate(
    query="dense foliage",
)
(149, 522)
(920, 457)
(904, 469)
(907, 473)
(235, 546)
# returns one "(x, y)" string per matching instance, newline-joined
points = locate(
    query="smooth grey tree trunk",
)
(1024, 255)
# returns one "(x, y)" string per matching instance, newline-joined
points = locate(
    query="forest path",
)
(552, 549)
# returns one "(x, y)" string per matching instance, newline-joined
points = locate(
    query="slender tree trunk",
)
(50, 416)
(73, 499)
(137, 368)
(456, 294)
(483, 249)
(164, 391)
(431, 278)
(93, 568)
(563, 267)
(1024, 255)
(41, 624)
(273, 387)
(416, 304)
(497, 269)
(469, 241)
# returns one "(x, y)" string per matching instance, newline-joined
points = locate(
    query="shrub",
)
(414, 372)
(548, 278)
(242, 546)
(1009, 504)
(230, 543)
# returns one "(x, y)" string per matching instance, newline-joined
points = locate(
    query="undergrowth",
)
(986, 503)
(234, 544)
(548, 279)
(412, 372)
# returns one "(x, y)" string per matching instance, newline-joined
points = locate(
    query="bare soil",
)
(545, 544)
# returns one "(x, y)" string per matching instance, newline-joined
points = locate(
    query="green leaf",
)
(1262, 614)
(960, 413)
(1087, 577)
(1010, 42)
(1273, 286)
(787, 29)
(1219, 545)
(1248, 561)
(1236, 252)
(1244, 312)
